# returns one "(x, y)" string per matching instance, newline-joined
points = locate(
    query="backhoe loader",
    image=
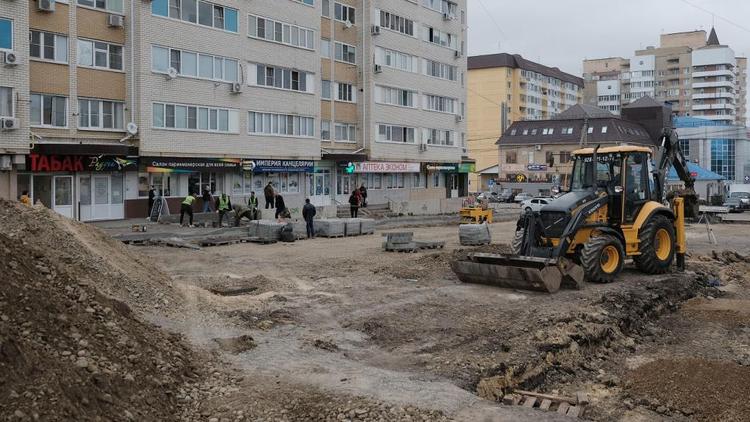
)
(616, 208)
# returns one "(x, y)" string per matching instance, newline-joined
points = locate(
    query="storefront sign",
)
(79, 163)
(467, 168)
(381, 167)
(536, 167)
(189, 165)
(516, 178)
(279, 166)
(442, 167)
(513, 168)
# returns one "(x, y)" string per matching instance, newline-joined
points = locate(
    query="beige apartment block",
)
(505, 88)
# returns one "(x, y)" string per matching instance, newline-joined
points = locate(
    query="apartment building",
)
(724, 149)
(506, 88)
(315, 97)
(694, 72)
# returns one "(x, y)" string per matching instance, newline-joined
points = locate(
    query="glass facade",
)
(723, 157)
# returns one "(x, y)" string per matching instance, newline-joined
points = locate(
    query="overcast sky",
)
(564, 32)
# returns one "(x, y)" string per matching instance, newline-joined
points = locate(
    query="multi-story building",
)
(724, 149)
(698, 75)
(316, 97)
(505, 88)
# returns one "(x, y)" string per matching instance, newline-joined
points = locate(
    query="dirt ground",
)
(337, 329)
(343, 317)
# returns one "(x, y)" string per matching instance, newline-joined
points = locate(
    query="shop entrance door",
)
(42, 190)
(320, 187)
(63, 195)
(344, 186)
(100, 196)
(451, 185)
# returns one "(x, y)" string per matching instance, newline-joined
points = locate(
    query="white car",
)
(534, 204)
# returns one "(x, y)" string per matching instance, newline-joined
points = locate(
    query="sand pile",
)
(70, 346)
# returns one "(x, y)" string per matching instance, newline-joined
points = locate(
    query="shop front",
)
(455, 175)
(78, 186)
(536, 179)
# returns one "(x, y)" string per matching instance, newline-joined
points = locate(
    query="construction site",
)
(338, 329)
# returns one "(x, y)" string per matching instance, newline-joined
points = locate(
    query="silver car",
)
(522, 197)
(534, 204)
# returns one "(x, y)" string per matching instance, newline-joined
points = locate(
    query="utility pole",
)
(584, 133)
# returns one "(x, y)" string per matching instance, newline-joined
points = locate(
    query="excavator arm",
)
(668, 153)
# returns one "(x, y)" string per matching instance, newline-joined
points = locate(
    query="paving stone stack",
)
(474, 234)
(330, 227)
(352, 227)
(300, 229)
(399, 241)
(368, 225)
(265, 230)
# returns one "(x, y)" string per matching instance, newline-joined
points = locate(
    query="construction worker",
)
(25, 198)
(223, 205)
(240, 212)
(252, 203)
(187, 208)
(270, 194)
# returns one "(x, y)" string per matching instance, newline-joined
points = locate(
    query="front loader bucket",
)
(517, 272)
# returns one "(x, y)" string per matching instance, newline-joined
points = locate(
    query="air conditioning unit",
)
(171, 73)
(378, 68)
(423, 147)
(457, 54)
(115, 21)
(448, 17)
(236, 87)
(459, 118)
(347, 25)
(9, 58)
(375, 30)
(46, 5)
(538, 147)
(8, 123)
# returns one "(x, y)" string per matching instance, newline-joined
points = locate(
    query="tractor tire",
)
(657, 246)
(602, 258)
(517, 243)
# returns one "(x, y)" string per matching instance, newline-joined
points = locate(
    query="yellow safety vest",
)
(189, 200)
(224, 202)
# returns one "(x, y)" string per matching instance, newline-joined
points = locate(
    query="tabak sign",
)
(386, 167)
(78, 163)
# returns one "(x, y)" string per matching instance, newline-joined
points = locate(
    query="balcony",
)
(726, 117)
(708, 73)
(712, 95)
(714, 84)
(697, 107)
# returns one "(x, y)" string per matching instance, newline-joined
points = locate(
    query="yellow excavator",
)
(616, 208)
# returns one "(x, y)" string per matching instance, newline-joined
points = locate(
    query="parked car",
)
(534, 204)
(489, 196)
(522, 197)
(737, 201)
(506, 195)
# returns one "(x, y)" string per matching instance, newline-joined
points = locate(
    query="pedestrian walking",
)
(252, 204)
(223, 205)
(269, 193)
(354, 203)
(187, 208)
(281, 210)
(363, 194)
(308, 213)
(207, 199)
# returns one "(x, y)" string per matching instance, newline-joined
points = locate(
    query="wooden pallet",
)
(219, 242)
(429, 244)
(330, 236)
(260, 240)
(410, 247)
(475, 243)
(573, 407)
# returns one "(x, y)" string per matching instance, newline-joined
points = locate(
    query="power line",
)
(715, 15)
(492, 18)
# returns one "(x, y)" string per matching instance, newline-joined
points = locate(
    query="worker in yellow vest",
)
(223, 206)
(187, 208)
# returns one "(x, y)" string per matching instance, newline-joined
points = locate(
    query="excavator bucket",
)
(518, 272)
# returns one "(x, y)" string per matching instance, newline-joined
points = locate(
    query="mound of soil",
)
(707, 390)
(68, 350)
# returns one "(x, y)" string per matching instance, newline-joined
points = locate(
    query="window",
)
(393, 180)
(48, 46)
(343, 13)
(345, 132)
(276, 77)
(439, 137)
(6, 34)
(325, 130)
(395, 133)
(195, 118)
(110, 5)
(307, 2)
(396, 60)
(345, 92)
(346, 53)
(567, 131)
(444, 39)
(274, 124)
(564, 157)
(511, 157)
(440, 70)
(604, 129)
(438, 103)
(396, 23)
(326, 6)
(325, 91)
(198, 12)
(100, 55)
(416, 180)
(49, 110)
(325, 48)
(195, 65)
(6, 101)
(395, 96)
(443, 6)
(280, 32)
(100, 114)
